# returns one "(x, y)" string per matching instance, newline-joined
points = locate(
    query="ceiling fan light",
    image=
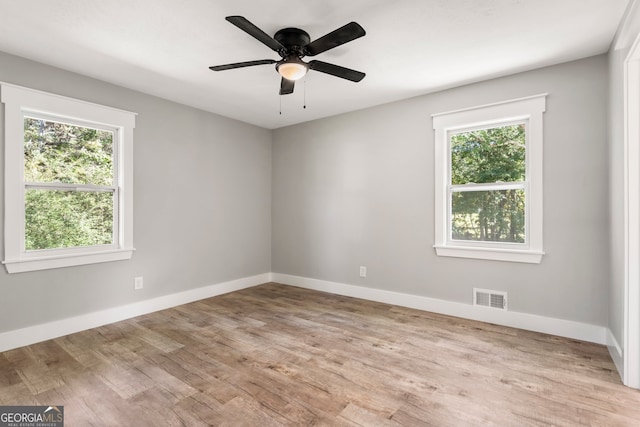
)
(292, 70)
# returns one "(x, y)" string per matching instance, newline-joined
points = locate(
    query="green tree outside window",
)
(64, 155)
(488, 156)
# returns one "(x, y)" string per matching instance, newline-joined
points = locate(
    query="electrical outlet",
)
(138, 283)
(363, 271)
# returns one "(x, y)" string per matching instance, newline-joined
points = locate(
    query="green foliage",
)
(66, 219)
(59, 152)
(67, 154)
(489, 156)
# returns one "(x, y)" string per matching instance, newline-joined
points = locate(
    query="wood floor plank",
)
(126, 381)
(81, 350)
(253, 414)
(277, 355)
(8, 375)
(199, 410)
(176, 389)
(363, 417)
(86, 397)
(34, 372)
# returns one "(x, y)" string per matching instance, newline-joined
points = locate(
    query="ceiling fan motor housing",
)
(294, 39)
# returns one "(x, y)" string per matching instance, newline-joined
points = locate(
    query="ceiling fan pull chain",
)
(280, 99)
(304, 87)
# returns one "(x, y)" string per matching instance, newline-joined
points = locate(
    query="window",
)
(68, 181)
(489, 181)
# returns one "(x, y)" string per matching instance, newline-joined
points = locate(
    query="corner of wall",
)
(34, 334)
(616, 353)
(531, 322)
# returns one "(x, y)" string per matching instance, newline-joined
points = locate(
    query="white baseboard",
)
(530, 322)
(565, 328)
(616, 353)
(33, 334)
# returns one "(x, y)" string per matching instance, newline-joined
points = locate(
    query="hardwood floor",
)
(279, 355)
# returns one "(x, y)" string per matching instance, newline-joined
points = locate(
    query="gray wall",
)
(357, 189)
(617, 55)
(201, 212)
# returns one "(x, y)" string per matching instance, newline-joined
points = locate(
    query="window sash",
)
(488, 125)
(115, 155)
(492, 186)
(28, 113)
(80, 189)
(68, 187)
(467, 188)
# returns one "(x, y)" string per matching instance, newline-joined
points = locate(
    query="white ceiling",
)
(412, 47)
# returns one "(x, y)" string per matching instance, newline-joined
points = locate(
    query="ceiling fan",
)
(292, 44)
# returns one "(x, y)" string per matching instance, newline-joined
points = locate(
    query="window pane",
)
(496, 216)
(69, 154)
(64, 219)
(488, 155)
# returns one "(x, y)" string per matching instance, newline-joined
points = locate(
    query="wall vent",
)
(488, 298)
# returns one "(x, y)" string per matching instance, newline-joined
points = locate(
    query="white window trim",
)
(530, 110)
(17, 100)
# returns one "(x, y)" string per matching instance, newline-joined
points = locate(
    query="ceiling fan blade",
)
(342, 35)
(286, 86)
(336, 70)
(241, 64)
(255, 32)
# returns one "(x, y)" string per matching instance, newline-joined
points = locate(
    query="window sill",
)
(510, 255)
(59, 261)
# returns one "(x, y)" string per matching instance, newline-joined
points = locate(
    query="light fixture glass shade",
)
(292, 70)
